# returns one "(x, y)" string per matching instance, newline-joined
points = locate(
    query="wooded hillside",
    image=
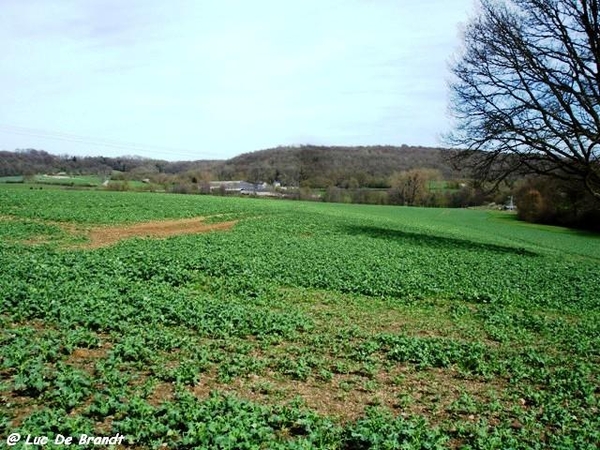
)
(310, 166)
(316, 166)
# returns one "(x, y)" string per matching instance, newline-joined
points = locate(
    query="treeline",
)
(417, 187)
(31, 162)
(557, 202)
(305, 166)
(414, 176)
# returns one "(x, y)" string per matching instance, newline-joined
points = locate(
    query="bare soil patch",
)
(429, 393)
(86, 358)
(106, 236)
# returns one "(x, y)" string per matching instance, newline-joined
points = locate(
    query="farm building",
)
(242, 187)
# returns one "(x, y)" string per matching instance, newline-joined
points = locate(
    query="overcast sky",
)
(210, 79)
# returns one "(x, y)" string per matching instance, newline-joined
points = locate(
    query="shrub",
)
(550, 201)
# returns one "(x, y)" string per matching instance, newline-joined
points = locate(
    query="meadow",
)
(294, 325)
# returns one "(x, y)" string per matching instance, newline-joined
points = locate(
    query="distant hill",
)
(318, 166)
(308, 165)
(31, 162)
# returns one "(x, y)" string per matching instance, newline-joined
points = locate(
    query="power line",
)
(103, 142)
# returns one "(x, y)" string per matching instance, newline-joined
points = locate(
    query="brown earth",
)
(105, 236)
(429, 393)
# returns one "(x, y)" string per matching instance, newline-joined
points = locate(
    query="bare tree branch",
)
(526, 92)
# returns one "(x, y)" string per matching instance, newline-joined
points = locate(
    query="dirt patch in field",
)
(435, 394)
(86, 358)
(106, 236)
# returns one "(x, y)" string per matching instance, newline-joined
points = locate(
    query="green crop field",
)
(14, 179)
(65, 180)
(298, 325)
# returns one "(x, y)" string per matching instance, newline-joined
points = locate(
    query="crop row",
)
(385, 309)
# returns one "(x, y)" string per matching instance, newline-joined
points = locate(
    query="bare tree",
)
(412, 187)
(526, 92)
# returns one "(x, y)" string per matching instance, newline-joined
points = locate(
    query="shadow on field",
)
(551, 228)
(434, 241)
